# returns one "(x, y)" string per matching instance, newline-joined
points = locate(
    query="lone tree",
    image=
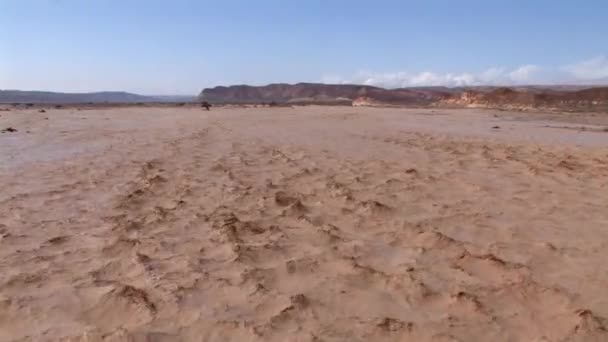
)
(206, 105)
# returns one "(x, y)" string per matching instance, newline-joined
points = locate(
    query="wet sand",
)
(303, 224)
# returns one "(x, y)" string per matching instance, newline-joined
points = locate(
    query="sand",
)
(303, 224)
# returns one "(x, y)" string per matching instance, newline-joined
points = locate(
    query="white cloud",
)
(492, 75)
(404, 79)
(525, 73)
(428, 78)
(592, 71)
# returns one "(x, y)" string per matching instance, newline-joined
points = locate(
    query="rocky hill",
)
(518, 98)
(592, 99)
(316, 93)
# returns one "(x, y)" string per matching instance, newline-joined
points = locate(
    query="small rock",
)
(393, 324)
(283, 199)
(58, 240)
(42, 111)
(143, 258)
(496, 127)
(299, 301)
(9, 130)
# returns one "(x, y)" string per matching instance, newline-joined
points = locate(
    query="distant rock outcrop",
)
(516, 98)
(316, 93)
(592, 99)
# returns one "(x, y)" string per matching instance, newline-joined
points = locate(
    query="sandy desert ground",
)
(303, 224)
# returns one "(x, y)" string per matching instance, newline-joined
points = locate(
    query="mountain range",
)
(20, 96)
(557, 97)
(560, 97)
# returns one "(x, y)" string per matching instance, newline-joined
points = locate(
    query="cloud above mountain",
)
(591, 71)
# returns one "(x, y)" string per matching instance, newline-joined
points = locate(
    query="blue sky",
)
(180, 47)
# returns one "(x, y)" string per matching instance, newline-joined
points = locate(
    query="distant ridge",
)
(551, 97)
(20, 96)
(318, 93)
(558, 97)
(589, 99)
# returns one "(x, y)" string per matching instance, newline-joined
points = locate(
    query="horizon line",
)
(541, 85)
